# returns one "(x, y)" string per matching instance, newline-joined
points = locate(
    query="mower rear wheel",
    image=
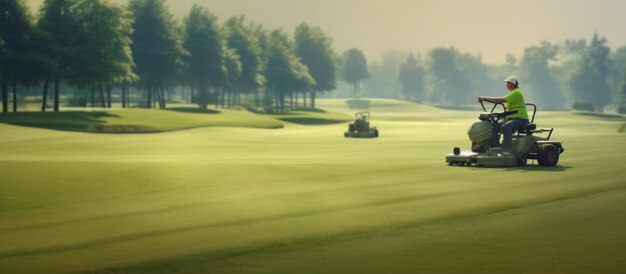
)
(547, 155)
(376, 133)
(522, 160)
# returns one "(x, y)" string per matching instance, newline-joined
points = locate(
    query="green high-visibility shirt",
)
(515, 101)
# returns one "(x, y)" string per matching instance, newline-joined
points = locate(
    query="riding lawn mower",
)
(526, 145)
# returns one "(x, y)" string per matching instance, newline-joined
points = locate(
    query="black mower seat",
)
(527, 127)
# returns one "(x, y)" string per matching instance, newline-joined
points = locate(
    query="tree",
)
(157, 48)
(4, 55)
(449, 85)
(589, 79)
(411, 76)
(15, 26)
(233, 70)
(205, 62)
(543, 86)
(621, 97)
(354, 68)
(59, 19)
(511, 61)
(284, 71)
(314, 49)
(261, 35)
(618, 73)
(104, 53)
(242, 40)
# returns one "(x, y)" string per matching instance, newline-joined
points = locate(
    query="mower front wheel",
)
(547, 155)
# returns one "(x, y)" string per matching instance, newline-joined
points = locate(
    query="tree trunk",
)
(5, 96)
(157, 97)
(226, 100)
(44, 100)
(14, 96)
(123, 87)
(257, 99)
(223, 93)
(219, 98)
(191, 94)
(127, 95)
(313, 94)
(231, 98)
(109, 91)
(277, 101)
(93, 97)
(282, 102)
(304, 100)
(102, 99)
(296, 95)
(57, 84)
(149, 97)
(163, 101)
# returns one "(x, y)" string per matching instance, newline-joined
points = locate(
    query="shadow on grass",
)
(358, 104)
(194, 110)
(537, 168)
(528, 168)
(311, 121)
(71, 121)
(316, 110)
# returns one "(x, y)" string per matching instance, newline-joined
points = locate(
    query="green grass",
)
(303, 199)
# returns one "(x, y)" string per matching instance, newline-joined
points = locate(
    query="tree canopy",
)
(354, 68)
(314, 49)
(157, 47)
(411, 76)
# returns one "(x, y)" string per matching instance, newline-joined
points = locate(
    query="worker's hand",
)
(481, 98)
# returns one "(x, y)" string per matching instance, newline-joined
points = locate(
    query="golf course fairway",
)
(291, 195)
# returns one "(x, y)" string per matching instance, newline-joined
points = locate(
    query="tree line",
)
(576, 74)
(139, 55)
(95, 47)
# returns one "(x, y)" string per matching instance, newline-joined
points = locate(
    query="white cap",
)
(511, 79)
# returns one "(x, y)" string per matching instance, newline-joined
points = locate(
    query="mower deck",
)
(492, 158)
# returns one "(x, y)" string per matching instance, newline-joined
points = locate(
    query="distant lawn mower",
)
(361, 127)
(525, 144)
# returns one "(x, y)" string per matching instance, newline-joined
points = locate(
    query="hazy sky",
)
(492, 28)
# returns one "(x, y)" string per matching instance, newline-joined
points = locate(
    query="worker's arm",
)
(497, 100)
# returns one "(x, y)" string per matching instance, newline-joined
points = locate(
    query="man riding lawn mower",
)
(515, 150)
(361, 127)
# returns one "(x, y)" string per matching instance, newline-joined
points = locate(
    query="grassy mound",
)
(313, 117)
(395, 110)
(358, 104)
(139, 120)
